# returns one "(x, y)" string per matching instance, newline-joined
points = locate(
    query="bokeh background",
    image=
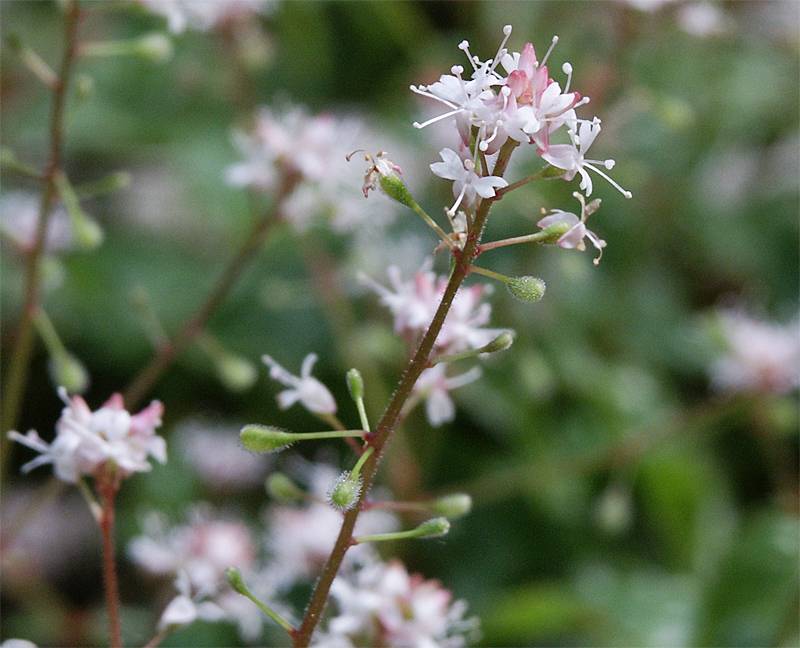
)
(619, 498)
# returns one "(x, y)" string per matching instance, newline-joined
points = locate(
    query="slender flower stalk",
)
(17, 370)
(388, 423)
(500, 343)
(548, 235)
(194, 325)
(108, 486)
(236, 581)
(433, 528)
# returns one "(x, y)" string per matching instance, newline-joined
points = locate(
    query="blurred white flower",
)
(197, 554)
(313, 149)
(19, 216)
(761, 355)
(85, 441)
(17, 643)
(305, 389)
(414, 302)
(434, 385)
(202, 15)
(381, 604)
(213, 450)
(703, 19)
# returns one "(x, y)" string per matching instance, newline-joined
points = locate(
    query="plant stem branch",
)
(539, 237)
(17, 372)
(108, 487)
(388, 422)
(168, 352)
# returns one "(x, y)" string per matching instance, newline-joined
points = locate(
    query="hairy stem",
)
(388, 422)
(17, 372)
(108, 487)
(169, 351)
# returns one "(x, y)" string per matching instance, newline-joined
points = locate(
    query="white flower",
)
(762, 356)
(17, 643)
(19, 216)
(703, 19)
(434, 385)
(467, 184)
(305, 389)
(414, 302)
(213, 450)
(85, 440)
(570, 157)
(202, 15)
(382, 604)
(573, 237)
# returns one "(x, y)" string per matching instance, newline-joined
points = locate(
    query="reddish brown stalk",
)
(17, 372)
(169, 351)
(108, 486)
(391, 415)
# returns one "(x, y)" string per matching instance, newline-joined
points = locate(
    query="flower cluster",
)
(196, 555)
(511, 97)
(761, 356)
(88, 441)
(381, 604)
(413, 303)
(203, 15)
(311, 149)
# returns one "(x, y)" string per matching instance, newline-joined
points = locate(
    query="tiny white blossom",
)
(305, 389)
(466, 183)
(570, 157)
(381, 604)
(573, 237)
(85, 441)
(434, 385)
(19, 215)
(203, 15)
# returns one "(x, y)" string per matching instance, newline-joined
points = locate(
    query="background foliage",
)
(619, 500)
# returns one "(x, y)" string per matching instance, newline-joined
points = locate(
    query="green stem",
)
(489, 273)
(389, 420)
(432, 224)
(360, 463)
(544, 236)
(48, 333)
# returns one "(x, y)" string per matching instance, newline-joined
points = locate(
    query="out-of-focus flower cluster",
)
(760, 356)
(203, 15)
(87, 441)
(381, 604)
(292, 143)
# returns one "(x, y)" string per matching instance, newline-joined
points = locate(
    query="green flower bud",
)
(433, 528)
(84, 85)
(88, 234)
(236, 373)
(396, 189)
(283, 489)
(69, 372)
(552, 233)
(355, 384)
(265, 438)
(527, 289)
(235, 580)
(344, 493)
(500, 343)
(453, 506)
(155, 47)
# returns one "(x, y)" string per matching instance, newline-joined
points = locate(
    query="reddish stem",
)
(108, 486)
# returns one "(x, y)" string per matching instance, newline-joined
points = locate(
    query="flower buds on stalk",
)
(267, 438)
(527, 288)
(282, 488)
(453, 506)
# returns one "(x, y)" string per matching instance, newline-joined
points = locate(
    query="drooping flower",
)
(570, 157)
(86, 441)
(573, 237)
(305, 389)
(761, 356)
(434, 385)
(380, 166)
(467, 184)
(381, 604)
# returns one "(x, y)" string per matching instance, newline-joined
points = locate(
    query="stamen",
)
(567, 69)
(464, 47)
(350, 155)
(419, 90)
(549, 51)
(436, 119)
(485, 143)
(611, 181)
(501, 50)
(452, 211)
